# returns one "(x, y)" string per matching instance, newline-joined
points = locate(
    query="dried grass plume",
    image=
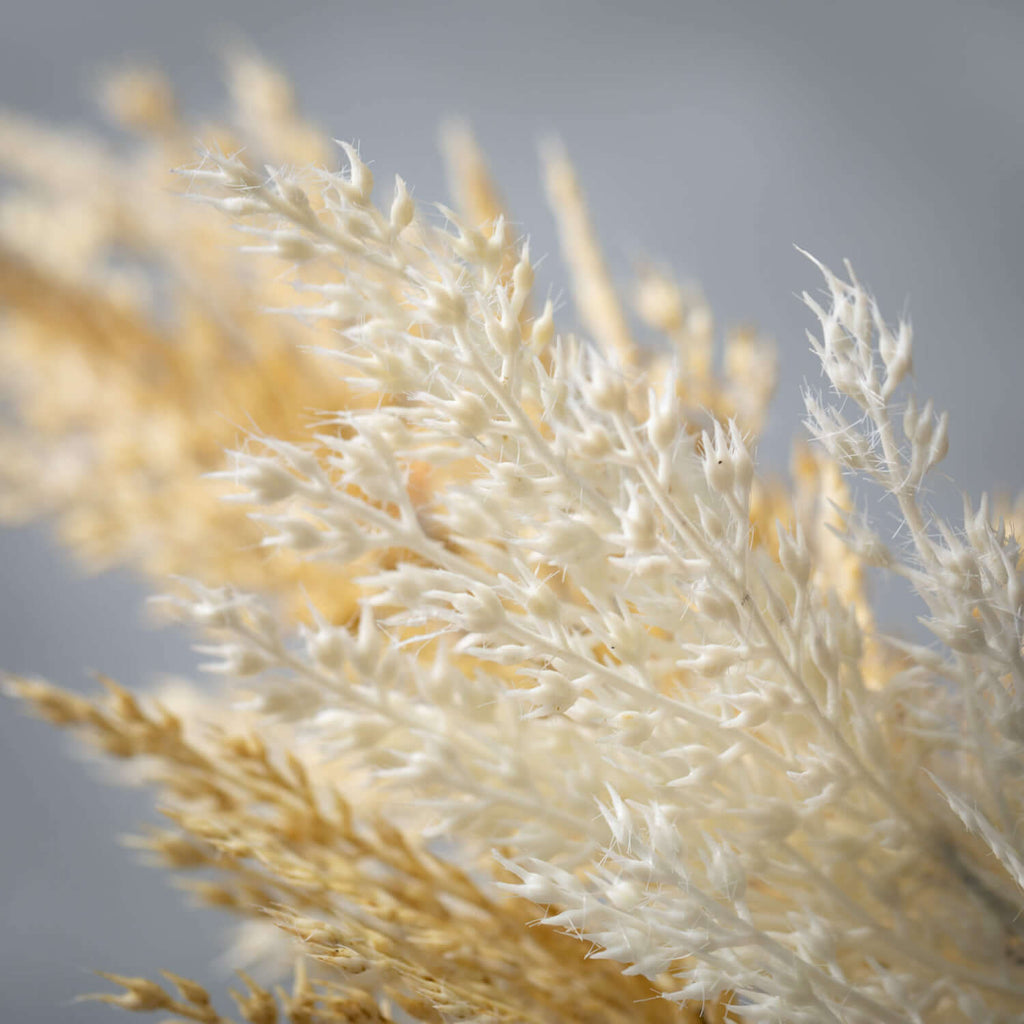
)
(542, 703)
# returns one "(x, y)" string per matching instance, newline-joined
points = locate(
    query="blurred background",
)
(710, 136)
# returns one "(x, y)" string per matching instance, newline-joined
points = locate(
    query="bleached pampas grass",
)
(605, 728)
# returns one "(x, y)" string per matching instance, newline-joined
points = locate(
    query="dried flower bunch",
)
(546, 707)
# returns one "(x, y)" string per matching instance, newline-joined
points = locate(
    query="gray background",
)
(712, 136)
